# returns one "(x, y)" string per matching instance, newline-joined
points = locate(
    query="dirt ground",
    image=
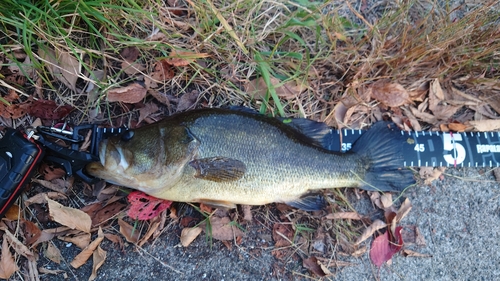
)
(457, 216)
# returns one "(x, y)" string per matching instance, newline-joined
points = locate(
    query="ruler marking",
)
(490, 164)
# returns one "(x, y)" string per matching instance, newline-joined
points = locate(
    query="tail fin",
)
(381, 152)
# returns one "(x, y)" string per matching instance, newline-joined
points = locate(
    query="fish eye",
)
(128, 135)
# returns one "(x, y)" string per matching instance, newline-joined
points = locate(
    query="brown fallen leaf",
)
(485, 125)
(386, 200)
(148, 109)
(410, 253)
(368, 232)
(50, 185)
(282, 235)
(81, 241)
(98, 259)
(70, 217)
(17, 245)
(53, 253)
(257, 88)
(188, 234)
(49, 110)
(129, 64)
(429, 174)
(31, 232)
(344, 215)
(50, 172)
(183, 58)
(223, 229)
(132, 93)
(51, 271)
(188, 100)
(62, 65)
(40, 198)
(100, 214)
(412, 235)
(130, 233)
(438, 104)
(316, 267)
(14, 111)
(404, 209)
(115, 239)
(152, 228)
(375, 198)
(247, 212)
(85, 254)
(389, 94)
(162, 71)
(8, 265)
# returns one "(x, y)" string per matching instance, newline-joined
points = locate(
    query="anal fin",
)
(309, 202)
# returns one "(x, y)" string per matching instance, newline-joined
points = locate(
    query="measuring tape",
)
(435, 149)
(424, 148)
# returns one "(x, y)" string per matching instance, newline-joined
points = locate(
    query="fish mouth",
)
(111, 156)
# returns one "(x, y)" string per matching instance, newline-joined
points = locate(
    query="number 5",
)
(458, 150)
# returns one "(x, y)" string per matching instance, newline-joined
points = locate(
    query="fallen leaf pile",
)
(431, 104)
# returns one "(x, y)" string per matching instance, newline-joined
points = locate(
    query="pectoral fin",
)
(218, 169)
(217, 203)
(309, 202)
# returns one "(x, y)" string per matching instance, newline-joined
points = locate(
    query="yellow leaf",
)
(70, 217)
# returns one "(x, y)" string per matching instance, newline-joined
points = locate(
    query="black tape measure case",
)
(18, 158)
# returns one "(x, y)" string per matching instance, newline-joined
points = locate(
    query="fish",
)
(224, 157)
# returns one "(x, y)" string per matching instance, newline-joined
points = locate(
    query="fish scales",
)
(227, 157)
(279, 168)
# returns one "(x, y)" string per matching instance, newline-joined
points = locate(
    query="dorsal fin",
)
(316, 132)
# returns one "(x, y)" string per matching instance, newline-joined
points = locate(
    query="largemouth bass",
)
(224, 157)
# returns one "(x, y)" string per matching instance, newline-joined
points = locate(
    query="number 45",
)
(419, 147)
